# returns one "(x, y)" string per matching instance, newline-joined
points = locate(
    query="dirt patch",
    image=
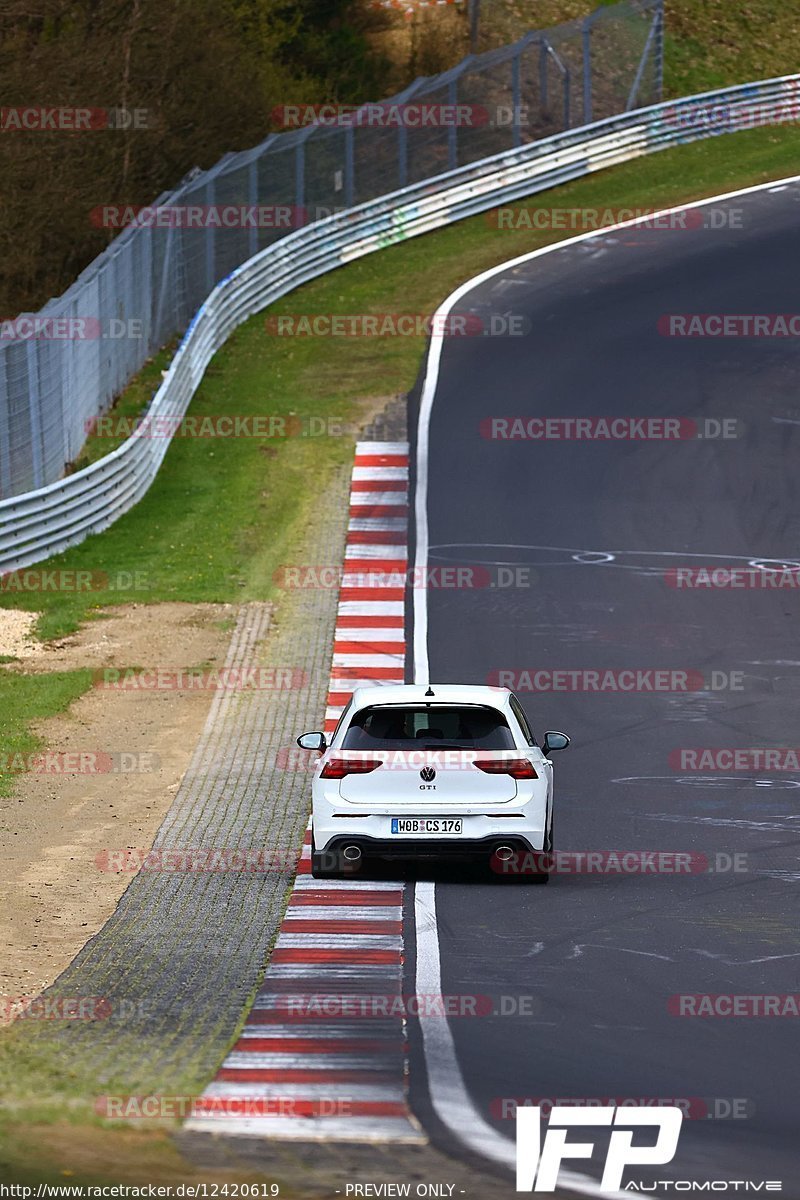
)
(141, 635)
(16, 633)
(56, 890)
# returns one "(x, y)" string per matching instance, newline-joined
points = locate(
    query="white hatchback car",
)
(428, 772)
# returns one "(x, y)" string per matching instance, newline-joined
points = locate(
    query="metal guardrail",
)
(37, 524)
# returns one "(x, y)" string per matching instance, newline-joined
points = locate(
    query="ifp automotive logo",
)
(538, 1164)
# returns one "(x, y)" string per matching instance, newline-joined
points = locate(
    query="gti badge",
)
(428, 774)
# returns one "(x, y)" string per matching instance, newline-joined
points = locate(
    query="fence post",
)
(587, 70)
(164, 283)
(252, 195)
(474, 21)
(651, 46)
(69, 394)
(452, 130)
(659, 50)
(516, 99)
(34, 414)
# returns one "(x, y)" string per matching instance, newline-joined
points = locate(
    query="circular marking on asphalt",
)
(773, 564)
(728, 782)
(593, 556)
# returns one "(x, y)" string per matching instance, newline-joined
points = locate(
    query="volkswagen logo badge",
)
(428, 774)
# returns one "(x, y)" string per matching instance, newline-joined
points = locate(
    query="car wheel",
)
(542, 877)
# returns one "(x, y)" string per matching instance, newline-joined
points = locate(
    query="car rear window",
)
(463, 727)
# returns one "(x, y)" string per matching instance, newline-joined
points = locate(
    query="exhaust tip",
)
(351, 854)
(504, 853)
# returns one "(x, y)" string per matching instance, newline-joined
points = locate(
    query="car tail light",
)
(337, 768)
(517, 768)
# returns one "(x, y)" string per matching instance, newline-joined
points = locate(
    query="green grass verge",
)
(25, 699)
(707, 43)
(715, 43)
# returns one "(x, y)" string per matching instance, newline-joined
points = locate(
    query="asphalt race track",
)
(594, 527)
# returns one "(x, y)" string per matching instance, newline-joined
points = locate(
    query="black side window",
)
(342, 718)
(519, 713)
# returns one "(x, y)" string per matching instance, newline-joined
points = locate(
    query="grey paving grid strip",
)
(182, 953)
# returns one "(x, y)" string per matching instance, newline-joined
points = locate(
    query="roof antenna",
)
(429, 691)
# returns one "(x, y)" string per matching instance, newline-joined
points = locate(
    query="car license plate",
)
(427, 826)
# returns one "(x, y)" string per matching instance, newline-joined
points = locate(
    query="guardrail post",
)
(587, 70)
(34, 414)
(452, 130)
(516, 99)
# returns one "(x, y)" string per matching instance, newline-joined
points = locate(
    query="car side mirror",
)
(312, 741)
(554, 741)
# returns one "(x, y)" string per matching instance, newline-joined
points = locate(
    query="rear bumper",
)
(522, 823)
(431, 847)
